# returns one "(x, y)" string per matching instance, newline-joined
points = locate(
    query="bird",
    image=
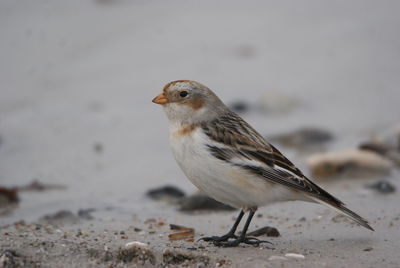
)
(226, 158)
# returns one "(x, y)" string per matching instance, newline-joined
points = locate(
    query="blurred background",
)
(77, 79)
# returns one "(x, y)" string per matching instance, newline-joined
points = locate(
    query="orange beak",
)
(160, 99)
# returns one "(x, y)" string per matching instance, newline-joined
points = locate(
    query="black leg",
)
(230, 234)
(242, 238)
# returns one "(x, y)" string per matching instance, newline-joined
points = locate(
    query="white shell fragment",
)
(135, 244)
(295, 256)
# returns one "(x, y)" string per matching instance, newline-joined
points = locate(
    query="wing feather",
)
(240, 145)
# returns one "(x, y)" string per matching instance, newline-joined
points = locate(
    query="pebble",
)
(165, 192)
(136, 244)
(86, 213)
(202, 202)
(98, 147)
(239, 106)
(61, 216)
(10, 195)
(295, 256)
(267, 230)
(383, 187)
(303, 137)
(66, 216)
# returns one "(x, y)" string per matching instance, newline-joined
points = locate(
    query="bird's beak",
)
(160, 99)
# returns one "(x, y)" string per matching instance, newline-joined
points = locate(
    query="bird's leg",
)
(230, 234)
(242, 238)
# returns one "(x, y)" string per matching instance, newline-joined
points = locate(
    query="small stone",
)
(202, 202)
(165, 192)
(60, 217)
(383, 187)
(368, 249)
(98, 147)
(239, 106)
(8, 195)
(295, 256)
(267, 230)
(303, 137)
(86, 213)
(135, 244)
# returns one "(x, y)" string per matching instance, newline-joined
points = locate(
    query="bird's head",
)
(189, 102)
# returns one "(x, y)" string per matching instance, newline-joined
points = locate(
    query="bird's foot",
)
(216, 239)
(246, 240)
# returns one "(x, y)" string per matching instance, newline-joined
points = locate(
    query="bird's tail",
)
(341, 208)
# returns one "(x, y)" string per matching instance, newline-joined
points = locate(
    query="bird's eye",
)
(183, 94)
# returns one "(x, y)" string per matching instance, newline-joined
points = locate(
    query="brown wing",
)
(240, 145)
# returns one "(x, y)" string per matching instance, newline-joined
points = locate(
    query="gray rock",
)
(303, 137)
(202, 202)
(383, 187)
(165, 192)
(267, 231)
(239, 106)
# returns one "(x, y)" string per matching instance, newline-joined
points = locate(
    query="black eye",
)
(183, 94)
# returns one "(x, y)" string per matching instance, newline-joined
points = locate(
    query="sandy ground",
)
(76, 80)
(317, 233)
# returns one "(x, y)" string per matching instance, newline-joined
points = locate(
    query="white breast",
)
(222, 181)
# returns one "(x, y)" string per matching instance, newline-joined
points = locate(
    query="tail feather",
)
(341, 208)
(355, 217)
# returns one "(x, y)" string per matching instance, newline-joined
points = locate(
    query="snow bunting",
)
(226, 158)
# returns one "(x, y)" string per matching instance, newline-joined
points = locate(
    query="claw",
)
(223, 241)
(254, 241)
(218, 238)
